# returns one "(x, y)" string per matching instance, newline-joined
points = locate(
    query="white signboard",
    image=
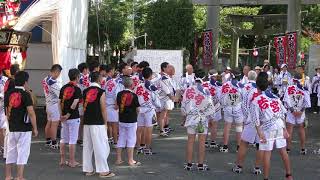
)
(156, 57)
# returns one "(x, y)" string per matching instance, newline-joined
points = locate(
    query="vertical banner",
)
(207, 47)
(292, 49)
(195, 49)
(281, 53)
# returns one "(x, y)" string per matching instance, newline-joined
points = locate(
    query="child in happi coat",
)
(149, 101)
(268, 114)
(231, 101)
(296, 100)
(214, 87)
(196, 105)
(51, 88)
(249, 134)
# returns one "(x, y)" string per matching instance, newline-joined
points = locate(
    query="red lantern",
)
(255, 53)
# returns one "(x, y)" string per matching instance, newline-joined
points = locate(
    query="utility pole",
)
(213, 23)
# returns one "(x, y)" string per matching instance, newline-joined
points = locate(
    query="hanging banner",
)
(280, 45)
(292, 49)
(207, 47)
(195, 49)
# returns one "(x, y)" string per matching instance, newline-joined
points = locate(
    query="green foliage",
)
(170, 24)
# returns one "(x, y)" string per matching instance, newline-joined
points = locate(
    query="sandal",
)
(108, 175)
(135, 164)
(77, 164)
(90, 173)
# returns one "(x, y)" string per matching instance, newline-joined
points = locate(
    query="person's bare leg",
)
(238, 134)
(213, 130)
(302, 135)
(259, 158)
(131, 161)
(72, 152)
(80, 135)
(148, 136)
(290, 130)
(139, 132)
(2, 135)
(119, 156)
(53, 130)
(266, 164)
(110, 130)
(286, 161)
(226, 133)
(20, 169)
(143, 136)
(115, 129)
(47, 130)
(242, 153)
(162, 119)
(8, 172)
(62, 154)
(202, 148)
(190, 143)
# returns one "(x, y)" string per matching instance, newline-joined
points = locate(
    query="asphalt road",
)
(167, 164)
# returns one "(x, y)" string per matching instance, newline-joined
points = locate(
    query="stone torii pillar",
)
(214, 24)
(294, 22)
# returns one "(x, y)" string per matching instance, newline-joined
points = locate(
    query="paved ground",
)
(167, 164)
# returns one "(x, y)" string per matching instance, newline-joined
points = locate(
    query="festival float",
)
(13, 44)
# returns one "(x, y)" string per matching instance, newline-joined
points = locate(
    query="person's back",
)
(128, 103)
(92, 107)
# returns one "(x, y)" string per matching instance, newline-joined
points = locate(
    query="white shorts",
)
(215, 117)
(231, 116)
(112, 114)
(80, 109)
(18, 147)
(53, 113)
(295, 120)
(249, 134)
(274, 137)
(127, 135)
(193, 130)
(145, 119)
(70, 131)
(167, 105)
(3, 121)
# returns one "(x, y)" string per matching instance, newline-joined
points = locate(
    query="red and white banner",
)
(292, 49)
(281, 46)
(207, 47)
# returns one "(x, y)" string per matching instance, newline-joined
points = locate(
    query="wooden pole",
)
(213, 23)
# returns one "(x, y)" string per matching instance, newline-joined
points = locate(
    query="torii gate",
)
(213, 6)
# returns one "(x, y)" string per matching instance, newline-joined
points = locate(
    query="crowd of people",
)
(103, 106)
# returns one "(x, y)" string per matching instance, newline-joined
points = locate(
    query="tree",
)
(170, 24)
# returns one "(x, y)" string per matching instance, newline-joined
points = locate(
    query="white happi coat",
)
(111, 92)
(196, 105)
(166, 88)
(284, 77)
(248, 90)
(84, 82)
(3, 81)
(187, 81)
(214, 88)
(51, 88)
(315, 86)
(268, 112)
(297, 98)
(147, 96)
(232, 97)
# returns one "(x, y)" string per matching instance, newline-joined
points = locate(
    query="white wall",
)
(39, 62)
